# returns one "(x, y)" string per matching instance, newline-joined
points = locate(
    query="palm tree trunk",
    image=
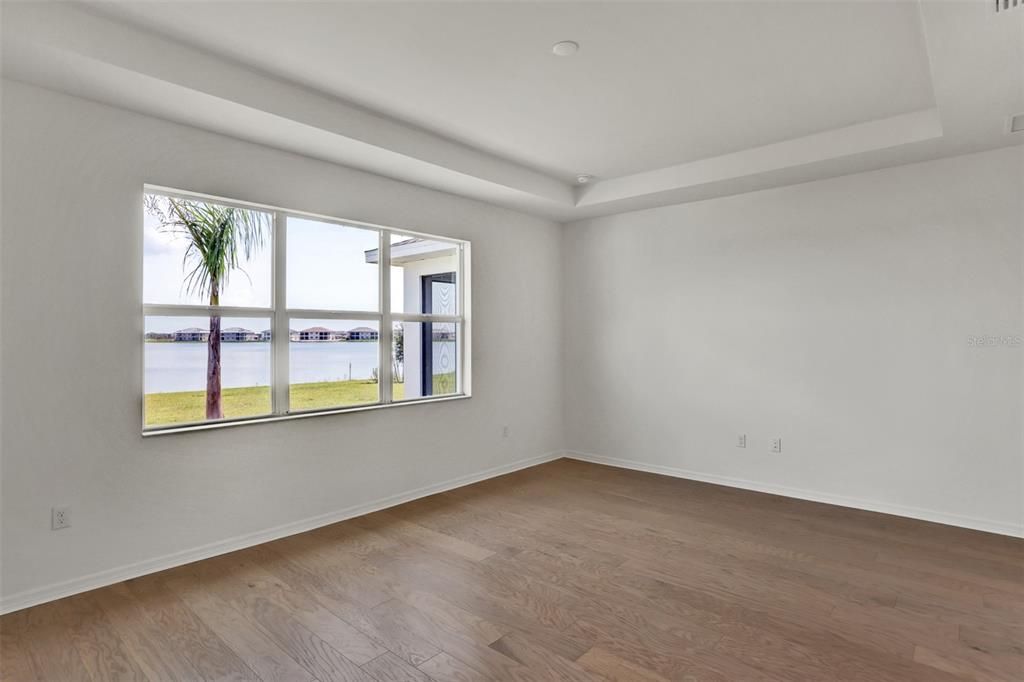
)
(213, 396)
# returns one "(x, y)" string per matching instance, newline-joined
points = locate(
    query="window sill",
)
(186, 428)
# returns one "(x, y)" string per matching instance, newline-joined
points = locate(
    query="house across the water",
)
(321, 334)
(192, 334)
(238, 334)
(243, 335)
(363, 334)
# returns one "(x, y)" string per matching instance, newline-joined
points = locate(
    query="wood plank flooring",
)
(566, 571)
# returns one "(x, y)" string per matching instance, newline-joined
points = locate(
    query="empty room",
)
(456, 341)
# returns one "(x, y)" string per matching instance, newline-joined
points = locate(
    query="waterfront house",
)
(363, 334)
(317, 334)
(238, 334)
(192, 334)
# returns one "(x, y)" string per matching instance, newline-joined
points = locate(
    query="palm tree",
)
(219, 238)
(398, 362)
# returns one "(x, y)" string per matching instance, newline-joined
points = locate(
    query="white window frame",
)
(280, 315)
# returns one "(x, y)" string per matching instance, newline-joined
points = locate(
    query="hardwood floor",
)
(566, 571)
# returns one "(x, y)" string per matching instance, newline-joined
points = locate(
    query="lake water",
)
(182, 366)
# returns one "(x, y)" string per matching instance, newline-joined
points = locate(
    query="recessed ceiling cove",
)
(662, 102)
(657, 84)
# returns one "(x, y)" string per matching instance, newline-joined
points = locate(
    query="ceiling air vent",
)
(1003, 5)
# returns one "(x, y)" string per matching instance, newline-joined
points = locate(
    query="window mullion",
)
(425, 317)
(464, 340)
(315, 313)
(280, 337)
(386, 327)
(177, 310)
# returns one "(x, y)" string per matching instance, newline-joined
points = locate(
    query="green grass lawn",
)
(190, 406)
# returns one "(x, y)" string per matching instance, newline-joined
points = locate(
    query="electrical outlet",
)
(504, 431)
(60, 517)
(776, 445)
(741, 442)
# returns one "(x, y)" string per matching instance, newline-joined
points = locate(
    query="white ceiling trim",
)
(832, 144)
(61, 47)
(120, 65)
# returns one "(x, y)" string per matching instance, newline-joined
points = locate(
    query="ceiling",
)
(665, 101)
(653, 85)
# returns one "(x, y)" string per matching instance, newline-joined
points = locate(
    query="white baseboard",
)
(39, 595)
(986, 525)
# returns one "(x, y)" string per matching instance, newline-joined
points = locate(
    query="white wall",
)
(835, 314)
(73, 173)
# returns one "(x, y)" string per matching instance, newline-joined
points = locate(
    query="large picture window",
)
(253, 313)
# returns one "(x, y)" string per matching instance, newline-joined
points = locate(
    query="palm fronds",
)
(220, 238)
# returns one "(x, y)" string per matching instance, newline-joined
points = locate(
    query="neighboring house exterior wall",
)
(317, 334)
(237, 334)
(412, 289)
(192, 334)
(363, 334)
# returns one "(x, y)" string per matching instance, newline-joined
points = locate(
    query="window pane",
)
(424, 276)
(176, 234)
(177, 361)
(331, 266)
(424, 360)
(333, 363)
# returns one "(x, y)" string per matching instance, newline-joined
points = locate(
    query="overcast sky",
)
(327, 269)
